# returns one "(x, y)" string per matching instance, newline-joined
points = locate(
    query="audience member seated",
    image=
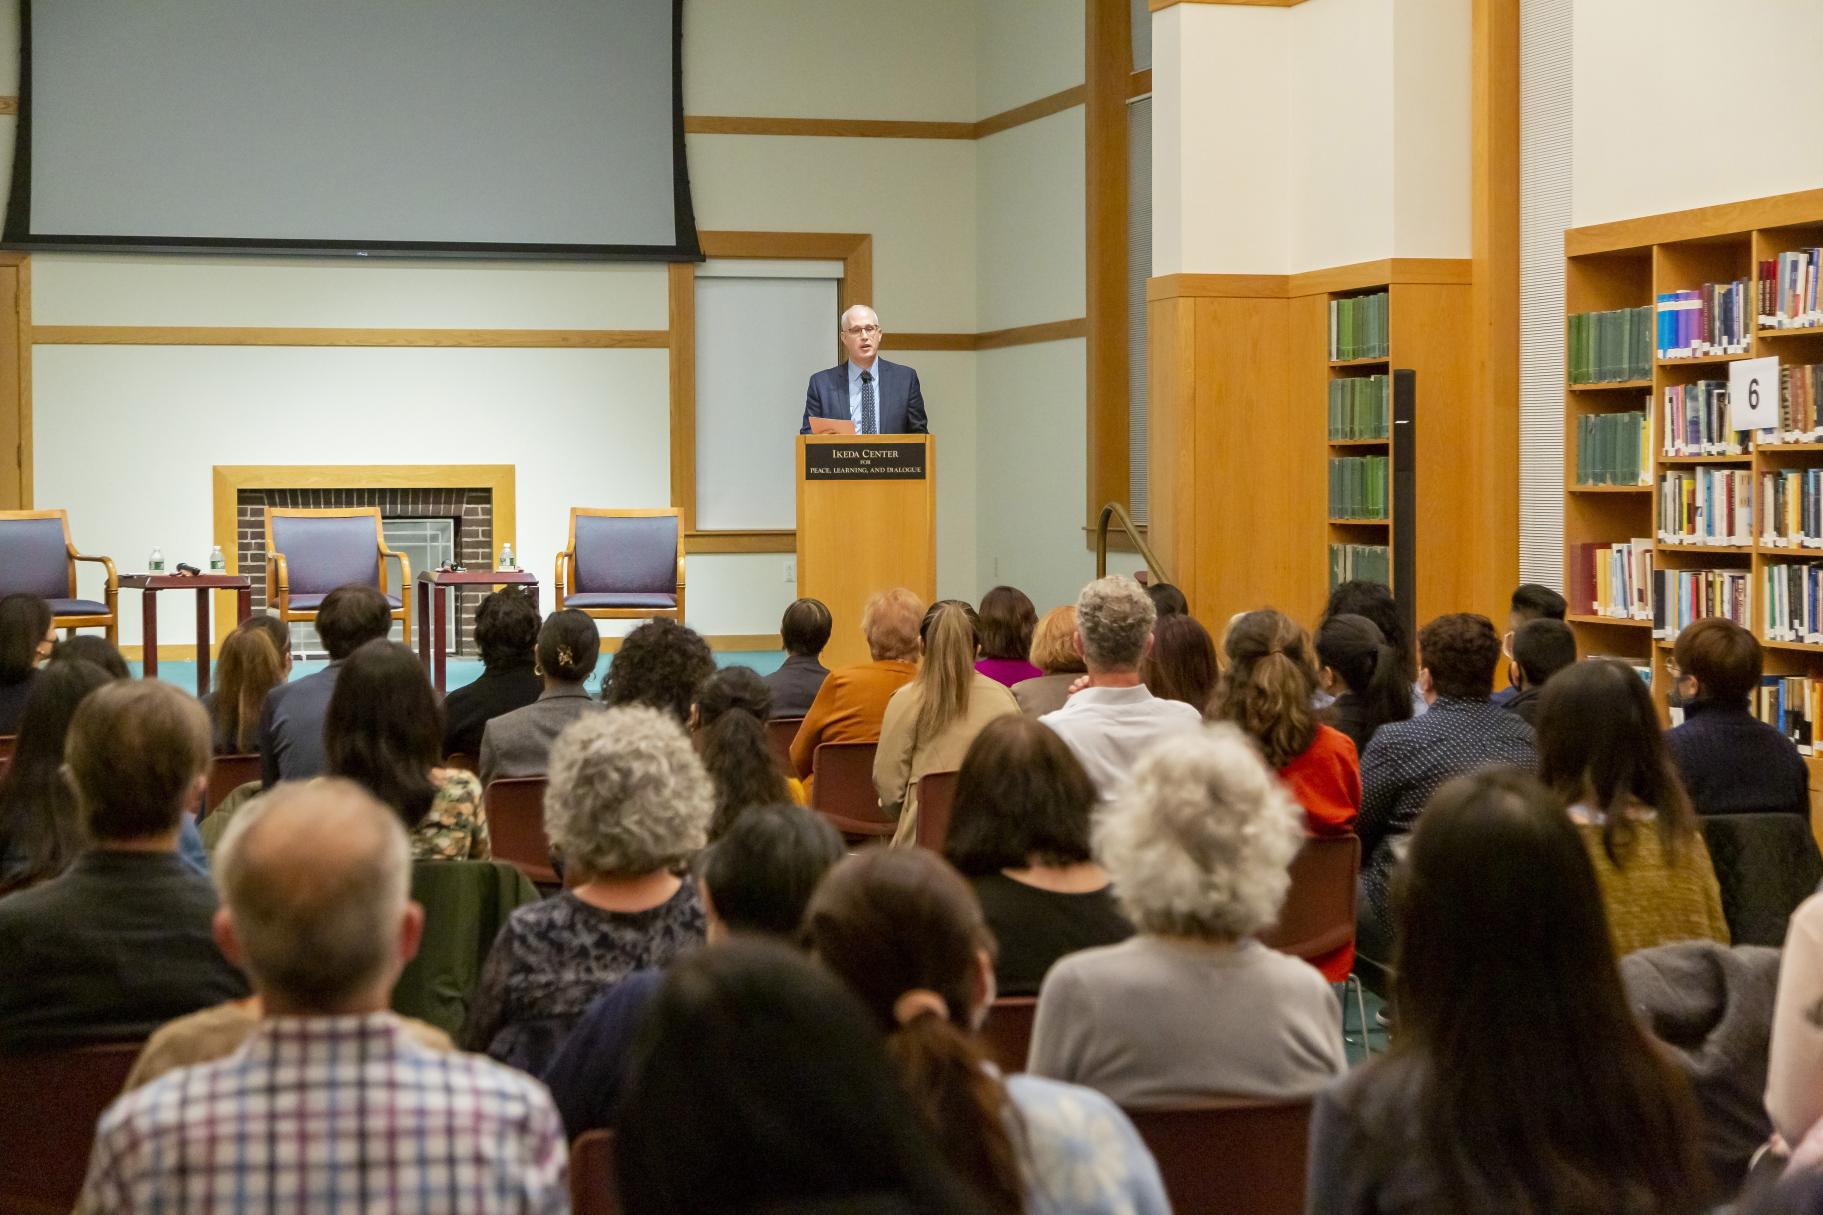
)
(26, 638)
(1711, 1007)
(754, 881)
(1054, 653)
(1540, 649)
(902, 929)
(804, 630)
(291, 724)
(729, 718)
(931, 721)
(1374, 600)
(1182, 664)
(41, 831)
(627, 805)
(660, 665)
(851, 704)
(384, 730)
(331, 1101)
(1167, 600)
(1530, 602)
(761, 1084)
(250, 664)
(1519, 1079)
(1113, 719)
(1193, 1008)
(1362, 673)
(86, 647)
(518, 743)
(119, 943)
(1006, 623)
(1019, 831)
(1408, 761)
(1794, 1072)
(1601, 752)
(1731, 762)
(506, 633)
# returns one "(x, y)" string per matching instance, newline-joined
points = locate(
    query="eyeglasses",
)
(1671, 669)
(862, 330)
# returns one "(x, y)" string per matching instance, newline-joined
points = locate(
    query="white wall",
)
(1025, 49)
(1343, 137)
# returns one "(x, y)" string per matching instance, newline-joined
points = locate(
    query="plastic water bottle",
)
(218, 564)
(507, 561)
(156, 562)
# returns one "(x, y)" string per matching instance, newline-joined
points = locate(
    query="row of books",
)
(1800, 391)
(1790, 507)
(1680, 598)
(1357, 327)
(1706, 506)
(1712, 319)
(1610, 347)
(1613, 580)
(1366, 562)
(1793, 595)
(1357, 487)
(1788, 290)
(1696, 421)
(1613, 449)
(1793, 704)
(1360, 407)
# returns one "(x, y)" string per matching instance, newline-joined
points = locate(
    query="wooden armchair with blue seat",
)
(311, 552)
(623, 564)
(38, 558)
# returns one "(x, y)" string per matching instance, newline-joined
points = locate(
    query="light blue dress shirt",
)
(854, 396)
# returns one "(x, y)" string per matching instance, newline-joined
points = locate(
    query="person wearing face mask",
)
(1731, 762)
(1541, 648)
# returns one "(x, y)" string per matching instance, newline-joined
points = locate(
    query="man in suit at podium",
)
(879, 397)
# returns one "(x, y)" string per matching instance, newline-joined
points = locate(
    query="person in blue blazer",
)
(879, 397)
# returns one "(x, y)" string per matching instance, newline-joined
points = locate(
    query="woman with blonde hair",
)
(1053, 652)
(253, 661)
(931, 721)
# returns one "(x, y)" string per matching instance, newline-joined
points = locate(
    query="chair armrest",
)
(564, 560)
(106, 563)
(278, 580)
(404, 571)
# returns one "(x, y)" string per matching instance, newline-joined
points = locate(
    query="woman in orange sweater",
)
(852, 701)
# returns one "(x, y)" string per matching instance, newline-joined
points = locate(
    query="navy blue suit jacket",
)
(899, 399)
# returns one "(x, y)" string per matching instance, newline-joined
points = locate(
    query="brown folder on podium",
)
(867, 521)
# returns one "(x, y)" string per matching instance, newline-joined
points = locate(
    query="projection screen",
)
(549, 128)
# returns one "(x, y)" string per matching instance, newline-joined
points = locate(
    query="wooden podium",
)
(867, 521)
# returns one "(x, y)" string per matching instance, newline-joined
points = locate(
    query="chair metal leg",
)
(1354, 981)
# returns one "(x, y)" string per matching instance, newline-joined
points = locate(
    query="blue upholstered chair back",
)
(626, 554)
(323, 552)
(34, 559)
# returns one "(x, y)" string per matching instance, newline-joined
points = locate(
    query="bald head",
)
(314, 880)
(860, 335)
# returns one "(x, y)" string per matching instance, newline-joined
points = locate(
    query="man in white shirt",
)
(1111, 721)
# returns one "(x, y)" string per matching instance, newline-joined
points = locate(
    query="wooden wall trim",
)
(1031, 111)
(1775, 211)
(1108, 72)
(992, 339)
(1411, 271)
(1158, 5)
(1490, 451)
(9, 105)
(785, 541)
(1139, 84)
(1219, 286)
(827, 128)
(681, 292)
(23, 320)
(272, 335)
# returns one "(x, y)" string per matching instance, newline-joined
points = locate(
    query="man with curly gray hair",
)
(1114, 718)
(1197, 849)
(626, 807)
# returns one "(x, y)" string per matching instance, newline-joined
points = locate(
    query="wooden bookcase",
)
(1627, 265)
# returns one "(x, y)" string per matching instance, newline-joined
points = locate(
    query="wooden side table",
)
(150, 584)
(433, 626)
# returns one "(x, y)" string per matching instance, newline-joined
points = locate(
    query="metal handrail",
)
(1115, 510)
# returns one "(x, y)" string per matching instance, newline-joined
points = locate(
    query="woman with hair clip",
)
(1361, 670)
(905, 933)
(519, 743)
(1520, 1082)
(931, 721)
(729, 718)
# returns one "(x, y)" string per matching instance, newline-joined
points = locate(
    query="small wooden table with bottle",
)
(216, 579)
(433, 619)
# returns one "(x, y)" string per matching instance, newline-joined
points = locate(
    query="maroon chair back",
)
(594, 1189)
(226, 774)
(780, 732)
(843, 790)
(515, 820)
(1006, 1035)
(1319, 913)
(1230, 1156)
(936, 791)
(47, 1122)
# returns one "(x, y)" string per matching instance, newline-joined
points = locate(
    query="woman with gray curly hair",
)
(1193, 1007)
(626, 807)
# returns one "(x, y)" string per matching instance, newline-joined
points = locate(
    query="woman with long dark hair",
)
(1007, 621)
(1361, 670)
(1601, 752)
(730, 722)
(40, 829)
(1519, 1081)
(384, 729)
(26, 638)
(1181, 664)
(253, 662)
(902, 929)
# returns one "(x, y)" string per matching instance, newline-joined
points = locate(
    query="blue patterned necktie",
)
(870, 422)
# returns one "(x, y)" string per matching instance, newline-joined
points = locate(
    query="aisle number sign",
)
(1753, 394)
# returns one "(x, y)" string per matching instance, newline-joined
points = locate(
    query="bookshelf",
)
(1632, 264)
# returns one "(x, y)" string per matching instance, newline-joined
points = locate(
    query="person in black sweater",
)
(1731, 762)
(506, 630)
(1541, 648)
(1361, 670)
(26, 638)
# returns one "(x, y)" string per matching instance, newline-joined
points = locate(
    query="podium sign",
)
(864, 461)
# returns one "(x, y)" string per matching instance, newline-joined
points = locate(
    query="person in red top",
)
(1266, 689)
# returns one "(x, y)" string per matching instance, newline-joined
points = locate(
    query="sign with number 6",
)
(1753, 394)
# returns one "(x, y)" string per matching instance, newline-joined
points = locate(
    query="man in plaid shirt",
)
(330, 1106)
